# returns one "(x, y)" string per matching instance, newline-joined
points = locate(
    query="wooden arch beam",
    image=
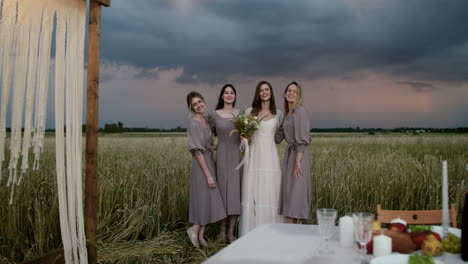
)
(104, 2)
(92, 110)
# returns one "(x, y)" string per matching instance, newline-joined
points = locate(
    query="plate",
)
(395, 259)
(438, 229)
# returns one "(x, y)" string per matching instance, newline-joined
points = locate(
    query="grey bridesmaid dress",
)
(227, 159)
(205, 205)
(295, 195)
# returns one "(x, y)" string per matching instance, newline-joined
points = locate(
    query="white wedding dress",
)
(262, 179)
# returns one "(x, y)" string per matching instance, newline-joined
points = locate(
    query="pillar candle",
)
(346, 231)
(445, 199)
(382, 245)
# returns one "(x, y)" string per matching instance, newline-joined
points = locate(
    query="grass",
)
(144, 183)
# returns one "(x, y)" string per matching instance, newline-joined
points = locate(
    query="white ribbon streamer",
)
(244, 146)
(26, 30)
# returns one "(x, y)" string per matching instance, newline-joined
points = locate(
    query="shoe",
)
(203, 242)
(193, 238)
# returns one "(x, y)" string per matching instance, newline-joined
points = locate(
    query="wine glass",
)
(326, 223)
(363, 231)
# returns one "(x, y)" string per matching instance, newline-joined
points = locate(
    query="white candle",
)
(382, 245)
(445, 199)
(346, 231)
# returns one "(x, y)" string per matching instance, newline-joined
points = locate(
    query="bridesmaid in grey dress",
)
(295, 193)
(205, 205)
(227, 158)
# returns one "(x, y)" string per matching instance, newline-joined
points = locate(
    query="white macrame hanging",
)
(26, 28)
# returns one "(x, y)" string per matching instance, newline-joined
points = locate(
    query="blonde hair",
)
(190, 96)
(298, 101)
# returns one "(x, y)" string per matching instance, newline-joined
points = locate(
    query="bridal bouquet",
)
(246, 125)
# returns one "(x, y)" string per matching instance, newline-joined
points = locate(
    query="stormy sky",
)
(367, 63)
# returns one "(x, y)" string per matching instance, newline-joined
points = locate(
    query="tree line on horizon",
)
(120, 128)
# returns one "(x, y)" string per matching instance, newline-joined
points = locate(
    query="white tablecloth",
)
(290, 243)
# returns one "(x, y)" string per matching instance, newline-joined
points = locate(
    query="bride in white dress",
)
(262, 175)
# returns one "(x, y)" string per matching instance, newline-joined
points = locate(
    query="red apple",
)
(436, 235)
(399, 227)
(370, 246)
(418, 238)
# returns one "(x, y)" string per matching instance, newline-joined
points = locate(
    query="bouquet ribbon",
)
(244, 146)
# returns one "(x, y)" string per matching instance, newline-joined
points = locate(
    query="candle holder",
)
(445, 200)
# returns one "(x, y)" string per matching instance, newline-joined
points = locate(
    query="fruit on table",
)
(419, 237)
(399, 227)
(419, 228)
(401, 242)
(451, 244)
(436, 235)
(418, 259)
(376, 226)
(370, 246)
(431, 246)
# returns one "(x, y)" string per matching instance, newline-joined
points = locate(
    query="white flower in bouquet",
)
(245, 125)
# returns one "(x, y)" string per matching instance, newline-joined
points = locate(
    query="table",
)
(291, 243)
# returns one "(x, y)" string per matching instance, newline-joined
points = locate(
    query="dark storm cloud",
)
(307, 39)
(418, 86)
(148, 73)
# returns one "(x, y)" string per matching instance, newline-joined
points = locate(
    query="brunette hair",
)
(257, 101)
(192, 95)
(221, 100)
(298, 101)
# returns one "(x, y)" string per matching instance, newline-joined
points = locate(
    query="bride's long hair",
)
(257, 101)
(298, 101)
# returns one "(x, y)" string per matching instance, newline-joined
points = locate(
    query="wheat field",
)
(144, 188)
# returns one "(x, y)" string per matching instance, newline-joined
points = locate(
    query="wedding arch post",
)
(92, 109)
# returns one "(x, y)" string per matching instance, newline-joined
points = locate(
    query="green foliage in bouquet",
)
(245, 125)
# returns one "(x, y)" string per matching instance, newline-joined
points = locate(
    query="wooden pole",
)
(90, 213)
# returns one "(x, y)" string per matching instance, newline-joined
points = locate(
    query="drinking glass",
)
(363, 231)
(326, 218)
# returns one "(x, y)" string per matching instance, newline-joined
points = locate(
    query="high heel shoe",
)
(193, 237)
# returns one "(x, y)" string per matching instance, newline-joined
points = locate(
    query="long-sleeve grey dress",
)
(205, 205)
(295, 195)
(227, 159)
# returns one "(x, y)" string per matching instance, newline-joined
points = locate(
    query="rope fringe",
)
(26, 27)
